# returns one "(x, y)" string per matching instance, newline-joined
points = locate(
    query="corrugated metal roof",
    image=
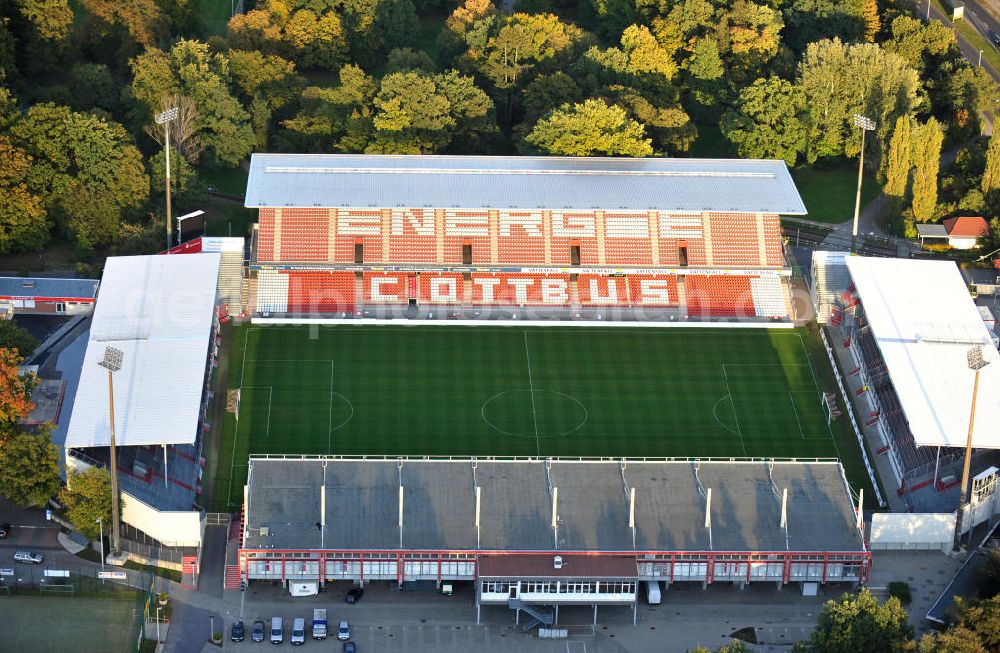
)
(158, 310)
(362, 501)
(924, 322)
(41, 287)
(576, 183)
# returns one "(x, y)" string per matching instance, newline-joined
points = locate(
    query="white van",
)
(277, 630)
(298, 631)
(652, 592)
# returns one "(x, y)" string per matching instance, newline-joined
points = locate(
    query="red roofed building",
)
(963, 232)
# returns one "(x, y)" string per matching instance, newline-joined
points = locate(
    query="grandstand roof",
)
(158, 310)
(474, 182)
(924, 321)
(47, 288)
(362, 505)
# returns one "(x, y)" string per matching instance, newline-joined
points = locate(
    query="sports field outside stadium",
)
(512, 391)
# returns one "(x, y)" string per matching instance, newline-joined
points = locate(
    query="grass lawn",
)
(527, 392)
(430, 29)
(232, 181)
(829, 193)
(214, 15)
(710, 144)
(40, 624)
(226, 218)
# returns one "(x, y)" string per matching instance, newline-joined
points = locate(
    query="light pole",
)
(165, 119)
(113, 362)
(100, 523)
(976, 363)
(158, 608)
(866, 124)
(980, 64)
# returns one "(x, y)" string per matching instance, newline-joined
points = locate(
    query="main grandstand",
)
(443, 236)
(536, 534)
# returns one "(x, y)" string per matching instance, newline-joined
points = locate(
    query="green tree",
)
(990, 183)
(918, 42)
(548, 92)
(403, 59)
(143, 19)
(706, 72)
(860, 623)
(86, 170)
(270, 76)
(750, 34)
(87, 498)
(840, 80)
(982, 618)
(13, 337)
(767, 121)
(29, 469)
(646, 56)
(588, 129)
(417, 113)
(222, 125)
(50, 19)
(926, 153)
(338, 119)
(900, 162)
(953, 640)
(24, 222)
(92, 86)
(316, 41)
(813, 20)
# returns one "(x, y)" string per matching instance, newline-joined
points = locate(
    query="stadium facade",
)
(535, 533)
(353, 235)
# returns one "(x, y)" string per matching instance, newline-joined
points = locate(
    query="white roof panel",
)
(924, 322)
(474, 182)
(158, 310)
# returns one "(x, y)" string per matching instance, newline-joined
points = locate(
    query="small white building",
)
(965, 232)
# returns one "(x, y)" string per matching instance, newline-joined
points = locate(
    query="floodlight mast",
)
(165, 119)
(976, 362)
(113, 359)
(866, 124)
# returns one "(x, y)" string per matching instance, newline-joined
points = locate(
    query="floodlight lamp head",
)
(864, 122)
(112, 359)
(975, 357)
(166, 116)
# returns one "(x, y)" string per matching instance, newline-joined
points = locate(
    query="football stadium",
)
(456, 367)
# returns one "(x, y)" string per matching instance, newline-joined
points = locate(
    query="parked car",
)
(349, 647)
(354, 595)
(4, 531)
(298, 631)
(343, 631)
(238, 632)
(277, 630)
(257, 634)
(994, 38)
(28, 557)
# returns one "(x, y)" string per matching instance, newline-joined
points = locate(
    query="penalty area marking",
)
(715, 414)
(536, 435)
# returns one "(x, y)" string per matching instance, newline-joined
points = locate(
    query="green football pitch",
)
(508, 391)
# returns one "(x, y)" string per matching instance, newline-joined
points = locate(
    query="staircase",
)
(539, 616)
(831, 279)
(232, 577)
(231, 280)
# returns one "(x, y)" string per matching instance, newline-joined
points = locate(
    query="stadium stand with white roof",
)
(160, 311)
(906, 327)
(363, 235)
(537, 533)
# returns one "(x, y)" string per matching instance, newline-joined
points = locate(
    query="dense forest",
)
(82, 162)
